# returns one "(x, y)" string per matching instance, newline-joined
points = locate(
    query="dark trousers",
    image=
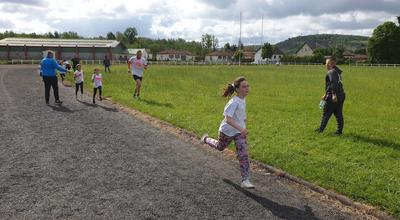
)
(107, 67)
(77, 86)
(335, 108)
(95, 91)
(50, 81)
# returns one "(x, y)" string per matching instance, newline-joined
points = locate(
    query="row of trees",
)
(55, 35)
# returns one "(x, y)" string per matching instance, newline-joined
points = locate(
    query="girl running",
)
(233, 127)
(97, 80)
(78, 77)
(62, 73)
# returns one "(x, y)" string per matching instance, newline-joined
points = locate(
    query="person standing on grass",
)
(139, 64)
(334, 97)
(233, 127)
(97, 80)
(107, 64)
(48, 67)
(78, 77)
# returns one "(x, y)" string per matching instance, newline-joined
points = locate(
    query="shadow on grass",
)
(155, 103)
(278, 210)
(100, 106)
(375, 141)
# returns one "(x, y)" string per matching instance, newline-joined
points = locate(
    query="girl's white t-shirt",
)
(97, 80)
(235, 108)
(78, 76)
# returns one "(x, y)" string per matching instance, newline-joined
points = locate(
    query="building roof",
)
(220, 53)
(176, 52)
(312, 45)
(31, 42)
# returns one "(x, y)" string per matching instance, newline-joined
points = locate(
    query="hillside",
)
(349, 42)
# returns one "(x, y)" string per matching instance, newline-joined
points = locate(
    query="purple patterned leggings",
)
(241, 150)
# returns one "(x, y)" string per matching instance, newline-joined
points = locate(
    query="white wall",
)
(258, 58)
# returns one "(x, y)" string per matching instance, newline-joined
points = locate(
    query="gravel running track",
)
(80, 161)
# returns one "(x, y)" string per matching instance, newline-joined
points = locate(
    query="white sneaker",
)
(247, 185)
(203, 138)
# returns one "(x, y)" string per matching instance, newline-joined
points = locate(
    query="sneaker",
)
(101, 98)
(247, 185)
(338, 133)
(94, 101)
(58, 102)
(203, 138)
(318, 130)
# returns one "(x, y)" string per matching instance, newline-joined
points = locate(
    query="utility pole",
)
(240, 38)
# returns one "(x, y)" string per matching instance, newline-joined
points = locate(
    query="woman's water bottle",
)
(322, 104)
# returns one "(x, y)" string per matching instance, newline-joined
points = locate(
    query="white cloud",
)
(189, 19)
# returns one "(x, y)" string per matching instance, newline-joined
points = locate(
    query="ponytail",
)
(231, 88)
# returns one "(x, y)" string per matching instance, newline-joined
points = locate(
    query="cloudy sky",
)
(189, 19)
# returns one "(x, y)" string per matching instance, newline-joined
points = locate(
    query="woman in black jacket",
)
(334, 97)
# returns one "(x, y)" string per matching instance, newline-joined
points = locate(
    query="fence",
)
(201, 63)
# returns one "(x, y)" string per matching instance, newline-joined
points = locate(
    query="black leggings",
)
(77, 86)
(335, 109)
(95, 91)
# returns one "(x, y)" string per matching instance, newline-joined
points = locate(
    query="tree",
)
(110, 36)
(209, 41)
(384, 45)
(238, 55)
(227, 47)
(70, 35)
(267, 51)
(362, 51)
(130, 34)
(56, 34)
(121, 37)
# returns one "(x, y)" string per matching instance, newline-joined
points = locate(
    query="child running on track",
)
(78, 77)
(97, 80)
(233, 127)
(139, 64)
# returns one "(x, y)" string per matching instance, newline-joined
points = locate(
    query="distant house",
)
(307, 49)
(248, 56)
(355, 57)
(175, 55)
(276, 56)
(219, 56)
(146, 53)
(348, 55)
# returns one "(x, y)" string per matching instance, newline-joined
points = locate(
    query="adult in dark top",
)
(334, 97)
(107, 64)
(75, 61)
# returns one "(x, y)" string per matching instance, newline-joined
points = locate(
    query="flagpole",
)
(262, 30)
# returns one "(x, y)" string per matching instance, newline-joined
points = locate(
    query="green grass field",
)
(283, 112)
